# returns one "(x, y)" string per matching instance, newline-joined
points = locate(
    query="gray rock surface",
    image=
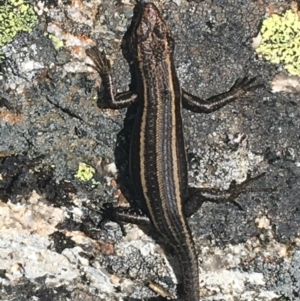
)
(51, 247)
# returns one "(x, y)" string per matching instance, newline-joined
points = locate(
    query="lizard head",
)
(151, 35)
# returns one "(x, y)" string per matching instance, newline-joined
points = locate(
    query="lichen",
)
(57, 42)
(281, 41)
(15, 16)
(85, 172)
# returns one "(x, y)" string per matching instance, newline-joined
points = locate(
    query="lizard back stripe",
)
(160, 161)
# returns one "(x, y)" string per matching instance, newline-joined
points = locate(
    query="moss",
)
(85, 172)
(281, 41)
(15, 16)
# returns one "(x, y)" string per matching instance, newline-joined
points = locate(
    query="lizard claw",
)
(236, 189)
(244, 88)
(102, 64)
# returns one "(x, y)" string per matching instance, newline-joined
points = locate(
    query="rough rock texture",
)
(51, 245)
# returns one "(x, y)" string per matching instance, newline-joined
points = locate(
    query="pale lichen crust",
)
(15, 16)
(280, 42)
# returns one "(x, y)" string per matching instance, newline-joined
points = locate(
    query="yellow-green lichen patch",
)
(57, 42)
(15, 16)
(85, 172)
(281, 41)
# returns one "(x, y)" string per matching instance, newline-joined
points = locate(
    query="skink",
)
(158, 164)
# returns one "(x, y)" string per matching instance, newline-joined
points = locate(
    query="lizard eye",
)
(160, 30)
(143, 31)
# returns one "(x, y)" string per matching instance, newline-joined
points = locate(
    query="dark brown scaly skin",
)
(158, 163)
